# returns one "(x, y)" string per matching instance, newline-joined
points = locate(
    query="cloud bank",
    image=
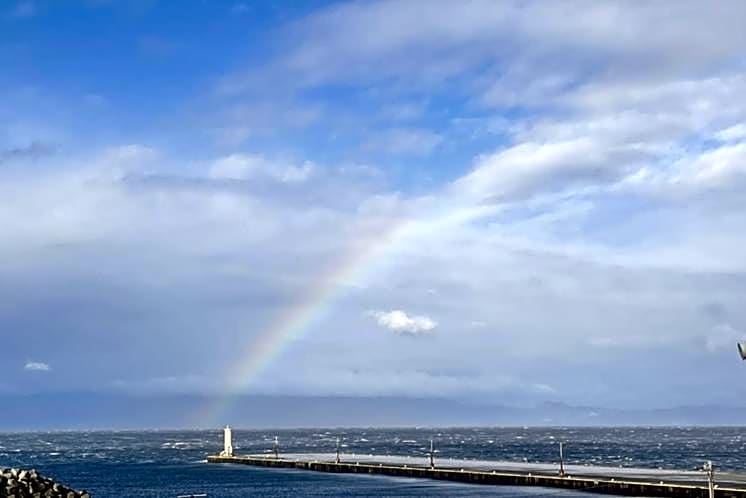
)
(560, 184)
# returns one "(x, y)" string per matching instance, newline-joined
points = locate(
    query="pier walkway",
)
(596, 479)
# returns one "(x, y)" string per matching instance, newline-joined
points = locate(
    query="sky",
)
(513, 202)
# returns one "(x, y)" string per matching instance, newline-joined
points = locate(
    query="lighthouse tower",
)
(227, 442)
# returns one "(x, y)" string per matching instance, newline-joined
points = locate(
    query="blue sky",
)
(549, 195)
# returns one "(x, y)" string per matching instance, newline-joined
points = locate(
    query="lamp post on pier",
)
(709, 470)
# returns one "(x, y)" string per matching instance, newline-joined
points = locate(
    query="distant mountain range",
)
(112, 411)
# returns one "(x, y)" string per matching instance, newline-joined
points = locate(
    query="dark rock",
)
(17, 483)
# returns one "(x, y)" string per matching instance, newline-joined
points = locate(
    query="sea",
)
(172, 463)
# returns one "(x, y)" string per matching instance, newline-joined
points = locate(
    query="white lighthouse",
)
(227, 442)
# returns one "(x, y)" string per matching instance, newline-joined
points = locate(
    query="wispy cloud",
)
(248, 167)
(37, 366)
(404, 141)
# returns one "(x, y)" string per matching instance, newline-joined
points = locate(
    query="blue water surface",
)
(169, 463)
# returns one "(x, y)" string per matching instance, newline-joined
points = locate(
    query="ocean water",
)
(169, 463)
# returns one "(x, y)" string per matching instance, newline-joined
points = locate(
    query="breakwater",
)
(629, 482)
(17, 483)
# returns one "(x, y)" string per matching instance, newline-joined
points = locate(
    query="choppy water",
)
(168, 463)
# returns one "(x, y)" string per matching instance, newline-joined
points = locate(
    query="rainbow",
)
(298, 319)
(316, 303)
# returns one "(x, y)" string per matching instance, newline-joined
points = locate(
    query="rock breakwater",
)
(18, 483)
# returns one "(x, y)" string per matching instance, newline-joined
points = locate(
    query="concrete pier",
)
(603, 480)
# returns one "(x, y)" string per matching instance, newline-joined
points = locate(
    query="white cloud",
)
(735, 133)
(401, 323)
(717, 169)
(37, 366)
(452, 37)
(247, 167)
(638, 134)
(528, 168)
